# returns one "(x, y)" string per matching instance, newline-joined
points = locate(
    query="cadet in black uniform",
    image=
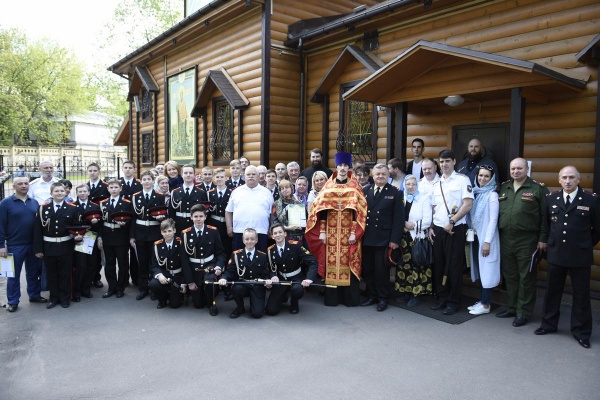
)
(86, 265)
(218, 198)
(235, 167)
(98, 191)
(285, 259)
(53, 243)
(145, 229)
(184, 197)
(167, 267)
(115, 239)
(203, 256)
(129, 186)
(245, 265)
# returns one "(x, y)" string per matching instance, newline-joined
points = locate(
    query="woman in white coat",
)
(413, 280)
(485, 249)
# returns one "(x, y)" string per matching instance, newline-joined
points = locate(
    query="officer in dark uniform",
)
(218, 198)
(574, 222)
(86, 265)
(523, 229)
(204, 256)
(53, 243)
(115, 238)
(285, 260)
(184, 197)
(145, 228)
(248, 264)
(167, 268)
(384, 228)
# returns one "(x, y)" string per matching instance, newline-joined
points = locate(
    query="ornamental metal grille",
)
(146, 105)
(221, 142)
(356, 136)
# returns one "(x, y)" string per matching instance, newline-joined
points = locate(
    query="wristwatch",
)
(452, 222)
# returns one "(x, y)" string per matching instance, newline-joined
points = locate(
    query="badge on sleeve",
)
(469, 188)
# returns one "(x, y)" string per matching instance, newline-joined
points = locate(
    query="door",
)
(494, 139)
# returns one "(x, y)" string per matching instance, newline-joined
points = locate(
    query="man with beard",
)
(469, 166)
(316, 159)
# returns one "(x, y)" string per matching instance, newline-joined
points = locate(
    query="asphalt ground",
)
(127, 349)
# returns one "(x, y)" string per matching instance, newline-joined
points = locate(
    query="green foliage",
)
(40, 84)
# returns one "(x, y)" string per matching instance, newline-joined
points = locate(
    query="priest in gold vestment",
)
(334, 229)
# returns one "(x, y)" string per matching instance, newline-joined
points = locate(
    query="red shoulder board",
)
(136, 180)
(212, 227)
(72, 204)
(104, 201)
(176, 189)
(211, 190)
(238, 251)
(46, 203)
(137, 192)
(261, 252)
(293, 241)
(124, 199)
(271, 246)
(159, 241)
(178, 239)
(186, 230)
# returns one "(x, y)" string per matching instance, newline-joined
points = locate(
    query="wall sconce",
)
(454, 100)
(382, 108)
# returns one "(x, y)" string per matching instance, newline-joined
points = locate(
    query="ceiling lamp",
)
(454, 100)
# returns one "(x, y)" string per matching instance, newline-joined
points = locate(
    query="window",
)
(221, 142)
(146, 105)
(356, 129)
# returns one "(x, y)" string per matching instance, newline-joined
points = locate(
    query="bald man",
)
(470, 165)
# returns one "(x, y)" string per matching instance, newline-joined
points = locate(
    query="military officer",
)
(184, 197)
(248, 264)
(145, 229)
(574, 223)
(285, 260)
(167, 268)
(218, 198)
(523, 229)
(385, 225)
(115, 238)
(204, 256)
(53, 243)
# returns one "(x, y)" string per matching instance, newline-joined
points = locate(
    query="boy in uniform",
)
(184, 197)
(235, 167)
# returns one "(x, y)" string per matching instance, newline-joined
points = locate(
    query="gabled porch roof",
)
(141, 77)
(219, 79)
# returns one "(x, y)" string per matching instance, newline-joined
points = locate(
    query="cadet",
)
(146, 228)
(285, 259)
(204, 256)
(218, 198)
(184, 197)
(116, 213)
(167, 268)
(53, 243)
(245, 265)
(523, 229)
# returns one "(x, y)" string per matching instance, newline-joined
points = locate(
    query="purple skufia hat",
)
(343, 158)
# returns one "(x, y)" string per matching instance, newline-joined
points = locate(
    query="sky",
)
(74, 24)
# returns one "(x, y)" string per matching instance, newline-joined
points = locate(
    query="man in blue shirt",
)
(17, 217)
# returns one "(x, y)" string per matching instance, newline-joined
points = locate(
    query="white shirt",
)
(246, 251)
(39, 189)
(572, 195)
(251, 208)
(456, 188)
(416, 169)
(425, 187)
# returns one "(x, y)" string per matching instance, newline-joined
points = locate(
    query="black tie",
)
(377, 192)
(129, 184)
(220, 196)
(249, 255)
(281, 252)
(112, 203)
(147, 197)
(187, 191)
(57, 207)
(83, 205)
(169, 248)
(93, 186)
(199, 233)
(568, 202)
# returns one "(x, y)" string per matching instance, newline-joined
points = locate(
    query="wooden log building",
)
(272, 79)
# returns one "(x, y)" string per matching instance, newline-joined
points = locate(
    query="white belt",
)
(183, 215)
(56, 239)
(111, 225)
(293, 273)
(146, 223)
(174, 271)
(222, 219)
(202, 260)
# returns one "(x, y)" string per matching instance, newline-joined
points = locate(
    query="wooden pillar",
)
(517, 124)
(389, 136)
(400, 130)
(325, 130)
(596, 183)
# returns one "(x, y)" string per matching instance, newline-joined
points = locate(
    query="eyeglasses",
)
(488, 167)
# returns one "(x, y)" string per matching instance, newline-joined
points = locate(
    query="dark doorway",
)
(494, 137)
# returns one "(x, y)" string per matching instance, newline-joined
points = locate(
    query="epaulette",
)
(505, 182)
(157, 192)
(539, 183)
(136, 193)
(46, 203)
(177, 188)
(186, 230)
(261, 252)
(212, 227)
(137, 180)
(588, 192)
(293, 241)
(556, 191)
(124, 199)
(271, 246)
(159, 241)
(178, 239)
(211, 190)
(104, 201)
(72, 204)
(238, 251)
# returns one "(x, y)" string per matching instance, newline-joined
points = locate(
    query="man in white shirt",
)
(39, 189)
(430, 177)
(249, 206)
(452, 200)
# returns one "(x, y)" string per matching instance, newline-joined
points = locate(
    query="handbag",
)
(422, 250)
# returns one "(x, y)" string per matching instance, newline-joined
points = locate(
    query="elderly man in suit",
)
(385, 224)
(574, 220)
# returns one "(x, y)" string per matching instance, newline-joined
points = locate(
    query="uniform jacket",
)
(52, 223)
(101, 189)
(165, 261)
(525, 210)
(229, 183)
(97, 227)
(206, 187)
(574, 231)
(127, 191)
(385, 216)
(112, 236)
(181, 203)
(203, 247)
(240, 267)
(294, 255)
(217, 207)
(145, 233)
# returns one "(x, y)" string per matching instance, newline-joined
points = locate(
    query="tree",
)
(41, 85)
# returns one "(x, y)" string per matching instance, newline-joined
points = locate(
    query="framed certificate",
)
(296, 215)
